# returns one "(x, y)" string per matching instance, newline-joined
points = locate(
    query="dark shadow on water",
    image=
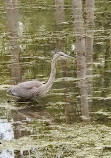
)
(20, 102)
(17, 153)
(30, 108)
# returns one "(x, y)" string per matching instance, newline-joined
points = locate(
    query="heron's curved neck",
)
(51, 79)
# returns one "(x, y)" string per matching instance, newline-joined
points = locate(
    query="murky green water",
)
(42, 129)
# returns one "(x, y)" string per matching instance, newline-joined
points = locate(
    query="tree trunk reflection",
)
(107, 66)
(12, 21)
(84, 40)
(59, 11)
(89, 7)
(60, 47)
(59, 4)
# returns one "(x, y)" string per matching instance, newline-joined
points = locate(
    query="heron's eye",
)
(62, 54)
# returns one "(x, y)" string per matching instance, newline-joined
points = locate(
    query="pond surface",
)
(52, 127)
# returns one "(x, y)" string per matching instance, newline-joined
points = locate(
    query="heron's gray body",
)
(30, 89)
(25, 90)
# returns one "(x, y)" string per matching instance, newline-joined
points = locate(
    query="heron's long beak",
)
(68, 56)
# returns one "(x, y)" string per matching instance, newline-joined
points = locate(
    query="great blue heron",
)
(33, 89)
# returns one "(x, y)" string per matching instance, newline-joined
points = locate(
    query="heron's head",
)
(61, 55)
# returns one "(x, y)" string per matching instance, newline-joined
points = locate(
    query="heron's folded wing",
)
(30, 84)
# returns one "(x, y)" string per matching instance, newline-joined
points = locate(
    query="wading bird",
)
(33, 89)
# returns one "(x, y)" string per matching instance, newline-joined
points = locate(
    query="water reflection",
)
(44, 125)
